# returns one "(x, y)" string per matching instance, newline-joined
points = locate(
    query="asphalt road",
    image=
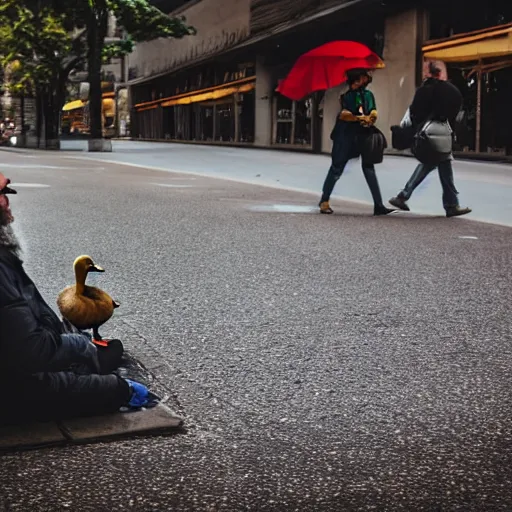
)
(485, 187)
(323, 363)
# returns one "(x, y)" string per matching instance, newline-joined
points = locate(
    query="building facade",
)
(219, 87)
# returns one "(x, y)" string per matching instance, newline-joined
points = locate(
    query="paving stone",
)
(30, 436)
(120, 424)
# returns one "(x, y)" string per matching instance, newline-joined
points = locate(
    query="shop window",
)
(169, 123)
(246, 104)
(182, 122)
(293, 121)
(459, 16)
(225, 121)
(206, 122)
(284, 113)
(495, 90)
(303, 118)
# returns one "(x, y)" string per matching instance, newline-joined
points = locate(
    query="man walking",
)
(358, 113)
(439, 100)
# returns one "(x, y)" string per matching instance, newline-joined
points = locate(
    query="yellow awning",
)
(241, 85)
(212, 95)
(467, 48)
(72, 105)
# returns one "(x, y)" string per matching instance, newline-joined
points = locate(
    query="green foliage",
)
(145, 22)
(117, 49)
(32, 45)
(38, 36)
(43, 41)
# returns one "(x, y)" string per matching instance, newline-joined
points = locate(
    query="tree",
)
(45, 40)
(142, 22)
(38, 53)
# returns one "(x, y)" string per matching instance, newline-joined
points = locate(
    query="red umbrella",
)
(325, 67)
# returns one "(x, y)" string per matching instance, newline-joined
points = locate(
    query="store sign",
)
(219, 25)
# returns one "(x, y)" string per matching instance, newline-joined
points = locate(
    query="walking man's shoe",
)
(457, 211)
(325, 208)
(400, 203)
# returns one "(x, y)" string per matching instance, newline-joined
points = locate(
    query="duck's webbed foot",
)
(97, 339)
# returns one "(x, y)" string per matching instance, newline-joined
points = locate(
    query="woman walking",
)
(358, 114)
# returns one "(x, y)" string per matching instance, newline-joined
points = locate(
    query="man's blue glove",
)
(139, 394)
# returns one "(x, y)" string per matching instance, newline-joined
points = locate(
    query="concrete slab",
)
(29, 436)
(99, 427)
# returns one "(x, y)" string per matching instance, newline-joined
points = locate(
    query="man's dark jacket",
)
(438, 99)
(36, 356)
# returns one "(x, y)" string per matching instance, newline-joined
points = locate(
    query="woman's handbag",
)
(433, 143)
(373, 146)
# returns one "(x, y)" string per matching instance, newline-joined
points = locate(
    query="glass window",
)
(303, 116)
(246, 116)
(169, 123)
(182, 122)
(293, 121)
(459, 16)
(284, 120)
(205, 122)
(225, 120)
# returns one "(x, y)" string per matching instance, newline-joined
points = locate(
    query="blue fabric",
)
(340, 157)
(445, 169)
(75, 349)
(140, 394)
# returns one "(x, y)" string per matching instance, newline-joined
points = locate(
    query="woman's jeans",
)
(445, 169)
(340, 158)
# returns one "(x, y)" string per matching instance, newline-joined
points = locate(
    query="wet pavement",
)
(322, 363)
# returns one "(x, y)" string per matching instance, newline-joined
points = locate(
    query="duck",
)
(86, 307)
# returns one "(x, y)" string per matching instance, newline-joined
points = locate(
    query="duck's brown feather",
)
(91, 309)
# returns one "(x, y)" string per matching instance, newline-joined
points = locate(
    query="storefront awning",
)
(212, 93)
(72, 105)
(473, 46)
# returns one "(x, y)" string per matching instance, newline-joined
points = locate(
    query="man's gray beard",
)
(8, 239)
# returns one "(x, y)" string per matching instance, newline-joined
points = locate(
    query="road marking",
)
(468, 237)
(54, 167)
(170, 185)
(284, 208)
(30, 185)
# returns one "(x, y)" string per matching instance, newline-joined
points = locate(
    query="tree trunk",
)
(22, 112)
(96, 33)
(47, 118)
(52, 130)
(39, 115)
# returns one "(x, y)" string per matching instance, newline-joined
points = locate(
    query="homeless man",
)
(49, 373)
